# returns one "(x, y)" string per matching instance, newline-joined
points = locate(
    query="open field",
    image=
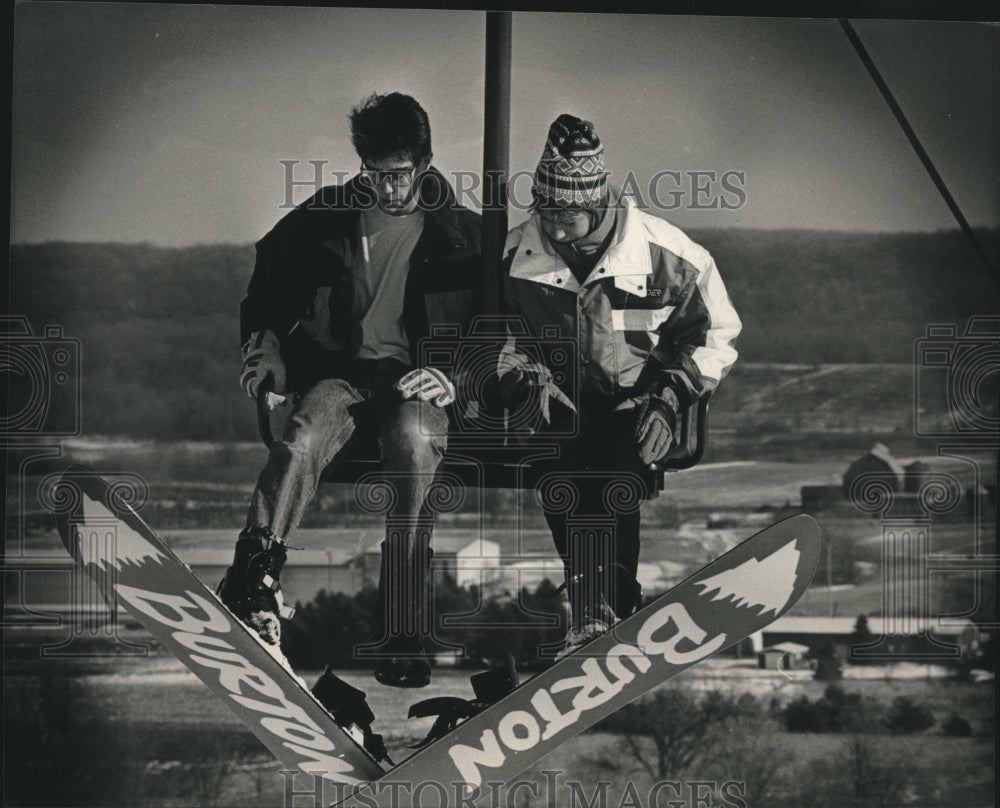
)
(144, 731)
(179, 746)
(124, 690)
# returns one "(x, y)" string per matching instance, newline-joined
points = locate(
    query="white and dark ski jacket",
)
(653, 309)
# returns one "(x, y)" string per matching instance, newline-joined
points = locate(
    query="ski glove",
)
(530, 386)
(654, 428)
(262, 358)
(427, 384)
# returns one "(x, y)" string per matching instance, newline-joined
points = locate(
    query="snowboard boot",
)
(403, 663)
(250, 588)
(402, 620)
(590, 613)
(625, 594)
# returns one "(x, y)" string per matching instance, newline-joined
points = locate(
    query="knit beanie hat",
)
(571, 171)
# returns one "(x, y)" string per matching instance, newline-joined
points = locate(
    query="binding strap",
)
(349, 708)
(489, 686)
(284, 611)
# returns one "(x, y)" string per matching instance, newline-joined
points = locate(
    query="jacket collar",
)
(537, 261)
(626, 257)
(628, 253)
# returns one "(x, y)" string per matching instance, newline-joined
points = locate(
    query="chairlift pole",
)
(496, 153)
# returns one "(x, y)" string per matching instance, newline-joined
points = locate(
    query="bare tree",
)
(865, 774)
(878, 777)
(751, 753)
(679, 728)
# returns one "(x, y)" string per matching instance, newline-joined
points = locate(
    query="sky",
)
(179, 125)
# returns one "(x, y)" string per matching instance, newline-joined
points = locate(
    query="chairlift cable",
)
(897, 111)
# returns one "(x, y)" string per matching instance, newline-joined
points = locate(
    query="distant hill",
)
(820, 297)
(159, 332)
(160, 338)
(830, 398)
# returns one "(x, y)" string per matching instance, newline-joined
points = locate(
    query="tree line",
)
(159, 334)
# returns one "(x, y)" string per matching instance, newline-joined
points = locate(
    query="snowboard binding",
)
(591, 615)
(350, 710)
(591, 594)
(489, 687)
(250, 588)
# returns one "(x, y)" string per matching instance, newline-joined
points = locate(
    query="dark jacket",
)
(302, 286)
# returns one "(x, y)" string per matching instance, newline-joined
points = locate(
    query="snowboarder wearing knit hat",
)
(655, 330)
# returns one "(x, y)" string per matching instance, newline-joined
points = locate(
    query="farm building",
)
(877, 460)
(905, 637)
(468, 561)
(531, 569)
(783, 656)
(904, 478)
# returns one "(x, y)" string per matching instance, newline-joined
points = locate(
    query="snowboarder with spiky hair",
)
(655, 330)
(344, 289)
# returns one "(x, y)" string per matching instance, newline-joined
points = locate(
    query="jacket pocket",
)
(640, 319)
(632, 284)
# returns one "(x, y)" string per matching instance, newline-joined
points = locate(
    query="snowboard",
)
(131, 565)
(725, 602)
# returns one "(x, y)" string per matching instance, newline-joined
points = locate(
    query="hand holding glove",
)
(427, 384)
(261, 358)
(654, 428)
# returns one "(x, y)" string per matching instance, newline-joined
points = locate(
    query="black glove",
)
(529, 389)
(654, 428)
(519, 386)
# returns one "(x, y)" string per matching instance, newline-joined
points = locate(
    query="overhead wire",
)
(925, 158)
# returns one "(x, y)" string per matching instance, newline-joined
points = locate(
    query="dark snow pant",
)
(591, 496)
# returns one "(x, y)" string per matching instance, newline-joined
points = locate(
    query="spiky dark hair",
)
(388, 125)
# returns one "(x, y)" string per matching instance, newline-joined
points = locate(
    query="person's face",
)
(394, 180)
(565, 224)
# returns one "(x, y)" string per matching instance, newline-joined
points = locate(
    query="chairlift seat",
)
(495, 462)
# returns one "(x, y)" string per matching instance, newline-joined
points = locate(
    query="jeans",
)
(336, 417)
